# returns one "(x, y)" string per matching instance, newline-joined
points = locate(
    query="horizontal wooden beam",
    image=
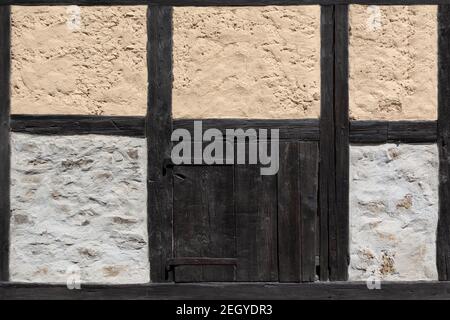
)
(393, 131)
(175, 262)
(235, 291)
(205, 3)
(363, 132)
(74, 125)
(308, 129)
(193, 261)
(305, 129)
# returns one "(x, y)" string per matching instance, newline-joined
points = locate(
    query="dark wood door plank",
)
(204, 221)
(256, 224)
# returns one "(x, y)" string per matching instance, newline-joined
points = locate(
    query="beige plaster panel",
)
(79, 60)
(260, 62)
(393, 62)
(228, 62)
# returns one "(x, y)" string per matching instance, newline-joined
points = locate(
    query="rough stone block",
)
(79, 201)
(393, 212)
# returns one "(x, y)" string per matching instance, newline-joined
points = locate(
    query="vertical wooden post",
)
(158, 133)
(5, 62)
(326, 151)
(443, 231)
(5, 101)
(334, 144)
(341, 118)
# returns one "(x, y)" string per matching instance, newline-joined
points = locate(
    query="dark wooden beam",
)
(412, 131)
(201, 262)
(443, 230)
(334, 144)
(158, 131)
(5, 61)
(290, 130)
(204, 3)
(363, 132)
(368, 131)
(232, 291)
(393, 131)
(326, 151)
(340, 223)
(78, 124)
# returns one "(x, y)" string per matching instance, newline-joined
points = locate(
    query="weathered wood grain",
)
(195, 261)
(256, 224)
(369, 131)
(290, 130)
(297, 211)
(289, 215)
(158, 132)
(204, 221)
(339, 219)
(327, 166)
(443, 230)
(309, 176)
(364, 132)
(412, 131)
(5, 105)
(334, 144)
(78, 125)
(233, 291)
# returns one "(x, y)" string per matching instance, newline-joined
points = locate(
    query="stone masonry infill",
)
(79, 202)
(393, 212)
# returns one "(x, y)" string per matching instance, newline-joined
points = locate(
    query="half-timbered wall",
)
(227, 223)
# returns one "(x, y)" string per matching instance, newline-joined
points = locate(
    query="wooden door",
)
(230, 223)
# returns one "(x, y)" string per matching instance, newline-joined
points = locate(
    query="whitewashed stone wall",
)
(393, 212)
(79, 201)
